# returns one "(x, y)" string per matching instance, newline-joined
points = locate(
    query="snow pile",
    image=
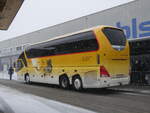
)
(19, 102)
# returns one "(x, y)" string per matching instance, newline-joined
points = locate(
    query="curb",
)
(133, 91)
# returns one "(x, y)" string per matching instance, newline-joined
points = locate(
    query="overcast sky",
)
(38, 14)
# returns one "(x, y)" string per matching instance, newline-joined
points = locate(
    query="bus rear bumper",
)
(109, 82)
(105, 82)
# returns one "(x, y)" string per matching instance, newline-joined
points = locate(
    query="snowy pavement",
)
(14, 101)
(4, 75)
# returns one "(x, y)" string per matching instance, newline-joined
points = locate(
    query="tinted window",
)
(71, 44)
(18, 65)
(115, 36)
(38, 52)
(23, 58)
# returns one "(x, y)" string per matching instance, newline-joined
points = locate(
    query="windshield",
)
(18, 65)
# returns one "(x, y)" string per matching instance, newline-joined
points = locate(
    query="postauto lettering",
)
(136, 30)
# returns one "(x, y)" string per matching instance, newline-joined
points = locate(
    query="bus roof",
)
(68, 34)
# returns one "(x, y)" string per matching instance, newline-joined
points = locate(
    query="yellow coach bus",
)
(92, 58)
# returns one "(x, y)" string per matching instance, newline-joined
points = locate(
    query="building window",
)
(11, 49)
(18, 48)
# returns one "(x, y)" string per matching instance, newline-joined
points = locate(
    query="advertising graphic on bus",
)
(93, 58)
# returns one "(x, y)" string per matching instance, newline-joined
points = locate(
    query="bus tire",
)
(27, 79)
(77, 83)
(64, 82)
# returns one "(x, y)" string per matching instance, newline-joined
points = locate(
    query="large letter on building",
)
(8, 10)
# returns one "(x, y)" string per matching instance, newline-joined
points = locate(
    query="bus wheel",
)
(27, 79)
(77, 83)
(64, 82)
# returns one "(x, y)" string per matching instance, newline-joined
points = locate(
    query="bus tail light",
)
(104, 72)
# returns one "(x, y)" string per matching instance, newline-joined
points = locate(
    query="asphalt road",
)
(101, 101)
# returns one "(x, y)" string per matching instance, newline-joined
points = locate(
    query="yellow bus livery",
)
(93, 58)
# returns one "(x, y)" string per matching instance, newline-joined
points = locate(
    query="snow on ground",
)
(18, 102)
(5, 75)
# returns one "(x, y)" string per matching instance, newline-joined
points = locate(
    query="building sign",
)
(136, 29)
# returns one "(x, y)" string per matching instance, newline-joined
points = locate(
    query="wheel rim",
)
(64, 82)
(77, 84)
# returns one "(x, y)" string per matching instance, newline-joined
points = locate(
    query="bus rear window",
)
(115, 36)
